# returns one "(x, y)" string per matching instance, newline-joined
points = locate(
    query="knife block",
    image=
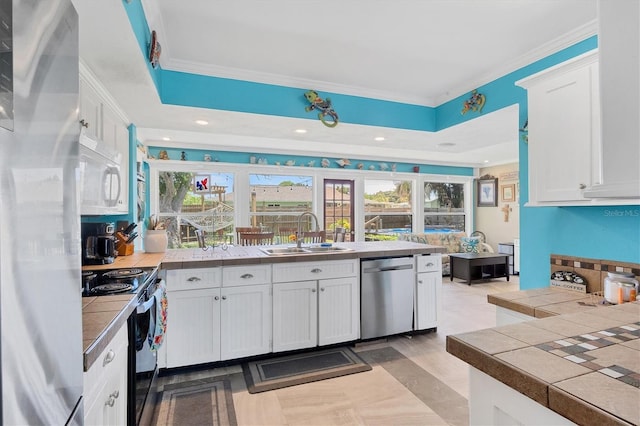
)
(123, 248)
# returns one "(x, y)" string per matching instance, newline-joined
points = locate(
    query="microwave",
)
(100, 185)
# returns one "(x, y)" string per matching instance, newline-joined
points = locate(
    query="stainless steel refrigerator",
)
(40, 285)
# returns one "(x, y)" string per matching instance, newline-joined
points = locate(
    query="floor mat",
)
(196, 403)
(291, 370)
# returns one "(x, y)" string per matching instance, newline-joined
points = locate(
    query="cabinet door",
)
(427, 299)
(105, 384)
(338, 310)
(116, 135)
(245, 324)
(295, 315)
(90, 111)
(193, 334)
(564, 135)
(115, 396)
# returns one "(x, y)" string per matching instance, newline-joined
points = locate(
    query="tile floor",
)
(413, 380)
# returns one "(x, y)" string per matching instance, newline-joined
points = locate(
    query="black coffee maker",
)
(98, 243)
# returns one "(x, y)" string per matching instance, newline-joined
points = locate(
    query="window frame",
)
(241, 174)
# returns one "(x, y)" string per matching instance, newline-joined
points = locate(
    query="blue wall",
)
(611, 233)
(596, 232)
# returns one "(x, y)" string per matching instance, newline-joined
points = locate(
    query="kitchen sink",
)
(330, 249)
(283, 251)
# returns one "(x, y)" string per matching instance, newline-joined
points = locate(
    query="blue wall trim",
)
(272, 159)
(258, 98)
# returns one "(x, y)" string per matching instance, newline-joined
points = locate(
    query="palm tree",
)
(403, 191)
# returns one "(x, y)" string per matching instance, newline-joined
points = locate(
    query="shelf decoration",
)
(475, 102)
(323, 106)
(154, 50)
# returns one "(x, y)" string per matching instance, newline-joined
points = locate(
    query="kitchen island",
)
(103, 316)
(578, 363)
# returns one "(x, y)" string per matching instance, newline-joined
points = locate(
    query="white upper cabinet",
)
(564, 131)
(101, 121)
(619, 47)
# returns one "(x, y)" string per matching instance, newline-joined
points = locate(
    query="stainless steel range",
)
(142, 359)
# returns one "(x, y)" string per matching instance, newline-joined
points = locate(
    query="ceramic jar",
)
(155, 241)
(618, 286)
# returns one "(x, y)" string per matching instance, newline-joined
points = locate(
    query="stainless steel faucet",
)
(299, 233)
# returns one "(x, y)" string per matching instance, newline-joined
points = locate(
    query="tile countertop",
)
(244, 255)
(546, 302)
(580, 361)
(103, 316)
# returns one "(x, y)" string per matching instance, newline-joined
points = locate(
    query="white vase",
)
(155, 241)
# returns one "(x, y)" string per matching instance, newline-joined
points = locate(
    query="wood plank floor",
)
(414, 380)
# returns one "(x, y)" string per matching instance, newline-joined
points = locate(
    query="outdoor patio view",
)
(193, 203)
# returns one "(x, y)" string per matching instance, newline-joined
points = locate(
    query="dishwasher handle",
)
(387, 268)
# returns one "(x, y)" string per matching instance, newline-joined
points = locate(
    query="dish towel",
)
(157, 331)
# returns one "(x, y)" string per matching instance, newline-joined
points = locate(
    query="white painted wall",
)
(490, 220)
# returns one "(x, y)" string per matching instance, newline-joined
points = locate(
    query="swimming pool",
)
(407, 231)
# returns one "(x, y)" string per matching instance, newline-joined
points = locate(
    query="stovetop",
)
(116, 281)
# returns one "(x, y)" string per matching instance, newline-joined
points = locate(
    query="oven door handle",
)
(146, 306)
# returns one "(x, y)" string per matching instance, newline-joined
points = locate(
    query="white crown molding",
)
(579, 34)
(288, 81)
(90, 78)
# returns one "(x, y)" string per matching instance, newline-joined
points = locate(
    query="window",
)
(444, 207)
(276, 201)
(387, 209)
(196, 201)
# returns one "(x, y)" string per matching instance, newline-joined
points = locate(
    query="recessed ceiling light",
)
(166, 138)
(301, 130)
(378, 138)
(446, 144)
(202, 122)
(486, 161)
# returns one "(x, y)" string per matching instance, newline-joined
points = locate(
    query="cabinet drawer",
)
(106, 364)
(233, 276)
(429, 263)
(193, 279)
(302, 271)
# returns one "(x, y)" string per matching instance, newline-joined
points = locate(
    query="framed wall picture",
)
(487, 192)
(508, 192)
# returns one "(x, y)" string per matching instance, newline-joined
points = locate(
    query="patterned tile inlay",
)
(577, 348)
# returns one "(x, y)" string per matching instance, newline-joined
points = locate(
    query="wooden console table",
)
(477, 266)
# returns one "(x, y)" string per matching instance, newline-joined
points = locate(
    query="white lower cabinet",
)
(491, 402)
(295, 315)
(105, 384)
(245, 321)
(213, 322)
(193, 327)
(322, 309)
(428, 289)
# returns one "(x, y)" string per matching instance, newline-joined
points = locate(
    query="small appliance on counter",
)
(98, 243)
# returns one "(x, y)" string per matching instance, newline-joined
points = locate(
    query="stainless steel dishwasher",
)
(386, 296)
